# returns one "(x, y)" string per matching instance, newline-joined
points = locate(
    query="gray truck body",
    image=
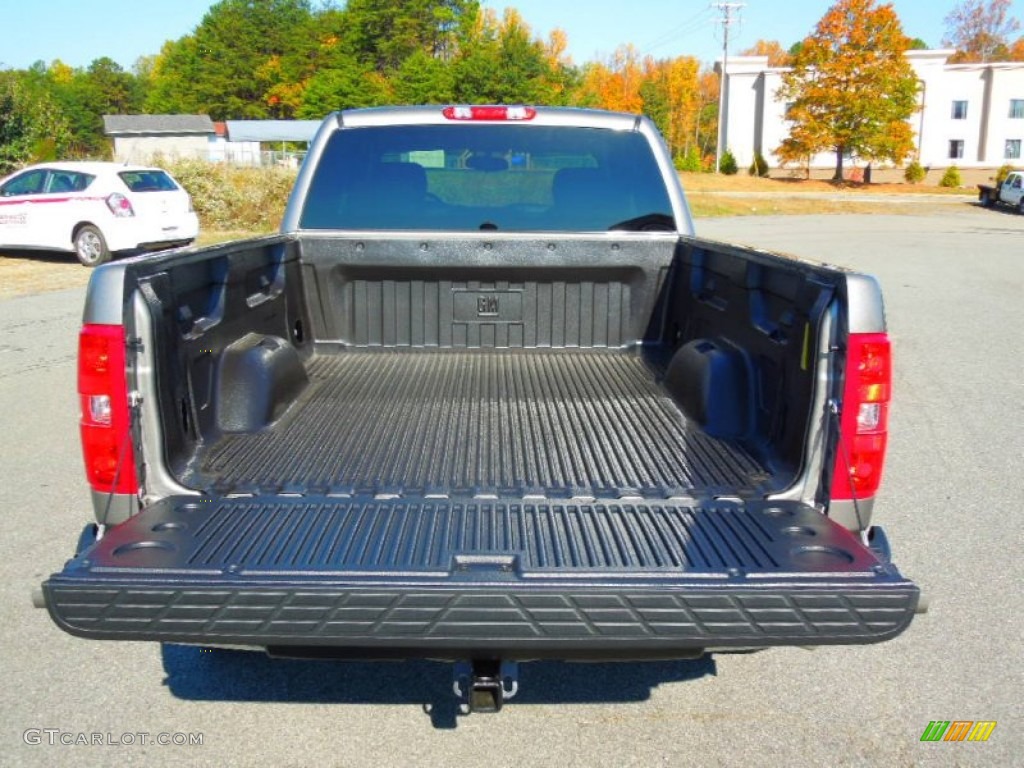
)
(483, 444)
(1009, 193)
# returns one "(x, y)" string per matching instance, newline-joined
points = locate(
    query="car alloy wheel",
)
(90, 247)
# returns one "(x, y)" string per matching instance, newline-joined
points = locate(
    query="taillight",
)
(489, 113)
(864, 417)
(120, 205)
(103, 394)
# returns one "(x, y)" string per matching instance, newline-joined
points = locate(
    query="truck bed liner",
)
(556, 423)
(513, 578)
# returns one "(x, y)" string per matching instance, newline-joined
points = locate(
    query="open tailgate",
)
(444, 578)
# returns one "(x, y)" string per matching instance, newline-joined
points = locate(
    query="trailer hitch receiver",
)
(483, 685)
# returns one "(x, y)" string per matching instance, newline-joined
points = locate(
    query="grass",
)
(705, 205)
(741, 182)
(30, 272)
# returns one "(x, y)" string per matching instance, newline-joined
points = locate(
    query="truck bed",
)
(556, 423)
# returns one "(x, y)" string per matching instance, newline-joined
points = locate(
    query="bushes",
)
(1003, 172)
(690, 161)
(727, 164)
(951, 178)
(914, 172)
(759, 167)
(228, 197)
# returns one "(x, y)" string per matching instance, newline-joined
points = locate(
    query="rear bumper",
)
(144, 233)
(351, 576)
(510, 622)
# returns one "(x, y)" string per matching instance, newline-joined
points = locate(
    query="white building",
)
(138, 138)
(971, 116)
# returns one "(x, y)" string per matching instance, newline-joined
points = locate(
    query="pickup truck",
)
(485, 399)
(1010, 192)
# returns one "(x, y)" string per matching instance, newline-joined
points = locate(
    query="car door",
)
(19, 223)
(1014, 189)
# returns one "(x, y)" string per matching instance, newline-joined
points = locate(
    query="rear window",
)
(148, 181)
(68, 181)
(473, 177)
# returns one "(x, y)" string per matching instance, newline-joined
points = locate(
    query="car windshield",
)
(474, 177)
(148, 181)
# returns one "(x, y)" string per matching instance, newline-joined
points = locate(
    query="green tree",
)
(851, 88)
(85, 95)
(346, 85)
(32, 128)
(238, 61)
(424, 79)
(384, 33)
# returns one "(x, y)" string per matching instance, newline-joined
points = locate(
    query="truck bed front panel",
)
(447, 578)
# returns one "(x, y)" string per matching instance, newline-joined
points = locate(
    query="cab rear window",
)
(148, 181)
(480, 177)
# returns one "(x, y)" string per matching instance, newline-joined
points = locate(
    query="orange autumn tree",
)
(851, 89)
(666, 90)
(980, 31)
(777, 55)
(614, 85)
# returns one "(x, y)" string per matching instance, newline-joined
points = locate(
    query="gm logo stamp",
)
(487, 306)
(479, 306)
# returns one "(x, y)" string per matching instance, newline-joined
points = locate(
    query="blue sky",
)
(78, 31)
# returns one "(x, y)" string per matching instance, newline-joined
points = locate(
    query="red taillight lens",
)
(120, 205)
(864, 418)
(489, 113)
(103, 393)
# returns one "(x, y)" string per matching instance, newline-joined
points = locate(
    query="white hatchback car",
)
(94, 209)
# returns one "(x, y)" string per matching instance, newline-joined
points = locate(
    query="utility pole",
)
(727, 21)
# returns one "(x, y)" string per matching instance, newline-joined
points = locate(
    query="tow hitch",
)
(483, 685)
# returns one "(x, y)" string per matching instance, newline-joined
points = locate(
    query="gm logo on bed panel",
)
(488, 306)
(958, 730)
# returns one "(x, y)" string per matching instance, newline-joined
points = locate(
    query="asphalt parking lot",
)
(951, 502)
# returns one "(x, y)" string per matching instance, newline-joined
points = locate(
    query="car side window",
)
(1016, 183)
(68, 181)
(28, 183)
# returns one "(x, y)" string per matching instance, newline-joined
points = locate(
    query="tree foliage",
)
(674, 93)
(259, 59)
(236, 61)
(851, 88)
(777, 55)
(980, 30)
(32, 128)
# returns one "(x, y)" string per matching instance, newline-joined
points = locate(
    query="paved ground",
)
(952, 503)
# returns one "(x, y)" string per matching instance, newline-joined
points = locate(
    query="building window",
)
(956, 149)
(1012, 149)
(1017, 108)
(959, 110)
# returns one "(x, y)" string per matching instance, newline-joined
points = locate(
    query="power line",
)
(688, 27)
(728, 19)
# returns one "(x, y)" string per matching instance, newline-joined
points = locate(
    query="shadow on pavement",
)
(45, 257)
(215, 675)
